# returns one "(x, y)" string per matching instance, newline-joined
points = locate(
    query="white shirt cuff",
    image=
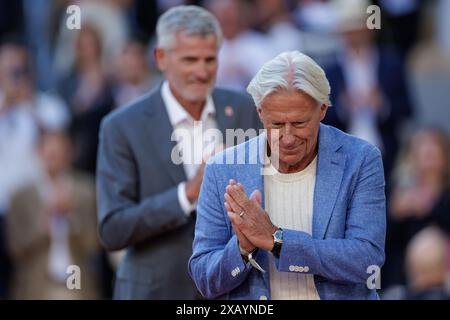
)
(185, 205)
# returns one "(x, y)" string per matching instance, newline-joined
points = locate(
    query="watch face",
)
(278, 235)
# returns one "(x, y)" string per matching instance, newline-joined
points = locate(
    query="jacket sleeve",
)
(216, 265)
(124, 218)
(346, 260)
(26, 230)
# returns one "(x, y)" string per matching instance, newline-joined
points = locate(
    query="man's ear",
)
(160, 58)
(323, 111)
(259, 110)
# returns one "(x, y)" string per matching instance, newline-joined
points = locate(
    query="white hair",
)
(290, 70)
(191, 20)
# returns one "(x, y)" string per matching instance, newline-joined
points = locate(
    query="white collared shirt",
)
(190, 138)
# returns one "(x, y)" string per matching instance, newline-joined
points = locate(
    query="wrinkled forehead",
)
(288, 97)
(192, 41)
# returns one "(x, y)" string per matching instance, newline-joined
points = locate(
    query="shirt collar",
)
(176, 111)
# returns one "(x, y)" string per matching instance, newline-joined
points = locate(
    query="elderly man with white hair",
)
(300, 212)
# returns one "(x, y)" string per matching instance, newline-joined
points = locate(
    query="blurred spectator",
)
(51, 224)
(317, 20)
(427, 268)
(370, 95)
(429, 67)
(420, 197)
(18, 88)
(315, 15)
(400, 23)
(87, 90)
(243, 51)
(22, 110)
(274, 20)
(133, 77)
(108, 17)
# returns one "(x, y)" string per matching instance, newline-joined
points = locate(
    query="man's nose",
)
(287, 138)
(202, 72)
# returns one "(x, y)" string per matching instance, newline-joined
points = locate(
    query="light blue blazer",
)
(346, 247)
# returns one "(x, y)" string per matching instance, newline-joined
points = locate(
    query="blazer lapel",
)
(256, 151)
(255, 173)
(159, 131)
(330, 170)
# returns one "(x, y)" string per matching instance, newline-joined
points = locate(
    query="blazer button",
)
(300, 269)
(292, 268)
(262, 298)
(296, 268)
(306, 269)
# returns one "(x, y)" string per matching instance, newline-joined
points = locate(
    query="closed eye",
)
(300, 124)
(277, 124)
(189, 59)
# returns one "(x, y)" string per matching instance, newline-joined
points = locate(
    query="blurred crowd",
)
(57, 84)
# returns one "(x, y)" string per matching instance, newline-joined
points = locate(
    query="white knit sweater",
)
(289, 202)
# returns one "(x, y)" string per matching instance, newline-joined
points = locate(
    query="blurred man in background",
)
(147, 201)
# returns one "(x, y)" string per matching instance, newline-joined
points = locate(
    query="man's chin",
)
(290, 160)
(197, 96)
(291, 156)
